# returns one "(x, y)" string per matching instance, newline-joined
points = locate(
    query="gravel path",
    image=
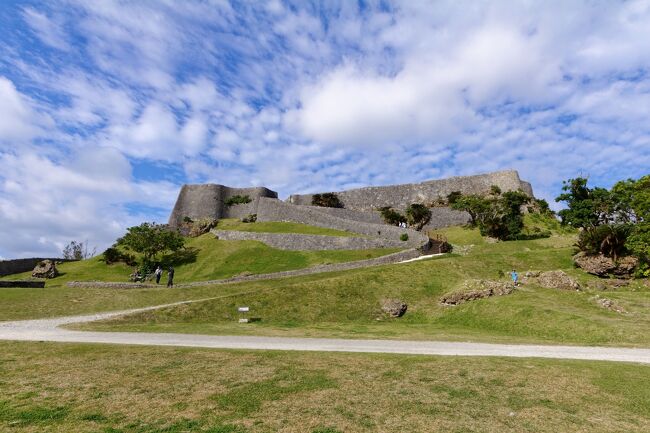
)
(49, 330)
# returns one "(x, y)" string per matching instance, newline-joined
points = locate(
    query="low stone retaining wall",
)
(383, 260)
(23, 284)
(302, 242)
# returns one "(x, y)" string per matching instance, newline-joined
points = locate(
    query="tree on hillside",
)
(78, 251)
(586, 207)
(151, 239)
(418, 215)
(614, 222)
(473, 204)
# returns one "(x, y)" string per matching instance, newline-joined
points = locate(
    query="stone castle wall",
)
(301, 242)
(276, 210)
(400, 196)
(207, 201)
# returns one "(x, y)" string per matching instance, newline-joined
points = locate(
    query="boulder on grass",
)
(394, 307)
(45, 269)
(557, 280)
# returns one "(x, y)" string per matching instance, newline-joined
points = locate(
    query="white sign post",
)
(243, 313)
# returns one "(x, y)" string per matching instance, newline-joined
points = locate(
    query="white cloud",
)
(309, 98)
(48, 30)
(18, 121)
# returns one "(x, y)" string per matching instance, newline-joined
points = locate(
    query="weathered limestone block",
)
(45, 269)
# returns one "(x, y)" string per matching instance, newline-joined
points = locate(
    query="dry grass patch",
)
(96, 388)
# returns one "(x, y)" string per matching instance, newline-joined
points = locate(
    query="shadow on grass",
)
(181, 257)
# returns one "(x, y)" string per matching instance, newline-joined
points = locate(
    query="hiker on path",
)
(170, 277)
(515, 277)
(158, 274)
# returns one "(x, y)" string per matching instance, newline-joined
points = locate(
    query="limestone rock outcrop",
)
(394, 307)
(603, 266)
(557, 280)
(45, 269)
(472, 290)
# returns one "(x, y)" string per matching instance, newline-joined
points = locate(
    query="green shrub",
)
(606, 239)
(328, 199)
(453, 196)
(404, 237)
(114, 255)
(237, 199)
(391, 216)
(250, 218)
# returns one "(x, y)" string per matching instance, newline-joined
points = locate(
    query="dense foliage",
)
(613, 222)
(151, 239)
(418, 215)
(114, 255)
(328, 199)
(237, 199)
(496, 215)
(391, 216)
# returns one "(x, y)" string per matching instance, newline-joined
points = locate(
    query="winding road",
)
(50, 330)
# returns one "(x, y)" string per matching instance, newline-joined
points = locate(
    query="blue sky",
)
(107, 108)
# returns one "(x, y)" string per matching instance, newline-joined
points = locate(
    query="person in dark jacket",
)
(170, 277)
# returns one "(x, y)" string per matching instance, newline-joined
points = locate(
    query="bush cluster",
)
(497, 215)
(613, 222)
(328, 199)
(251, 218)
(114, 255)
(237, 199)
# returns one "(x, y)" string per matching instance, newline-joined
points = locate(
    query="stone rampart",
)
(276, 210)
(208, 201)
(16, 266)
(302, 242)
(446, 217)
(400, 196)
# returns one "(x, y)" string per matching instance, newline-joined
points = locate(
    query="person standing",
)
(170, 277)
(515, 277)
(158, 274)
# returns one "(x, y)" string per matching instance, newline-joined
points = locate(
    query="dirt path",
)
(49, 330)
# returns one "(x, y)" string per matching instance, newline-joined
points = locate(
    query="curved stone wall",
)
(276, 210)
(207, 201)
(300, 242)
(400, 196)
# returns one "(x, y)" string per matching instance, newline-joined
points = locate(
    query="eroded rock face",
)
(625, 266)
(472, 290)
(604, 266)
(596, 265)
(45, 269)
(394, 307)
(557, 280)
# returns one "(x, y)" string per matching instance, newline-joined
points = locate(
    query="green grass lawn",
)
(208, 259)
(280, 227)
(70, 388)
(347, 304)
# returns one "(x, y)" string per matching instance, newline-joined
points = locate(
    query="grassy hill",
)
(207, 258)
(347, 304)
